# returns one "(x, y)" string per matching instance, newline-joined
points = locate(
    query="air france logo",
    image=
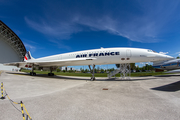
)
(98, 54)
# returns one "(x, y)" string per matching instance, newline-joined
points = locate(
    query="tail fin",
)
(28, 56)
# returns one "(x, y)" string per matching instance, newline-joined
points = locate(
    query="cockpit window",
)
(152, 51)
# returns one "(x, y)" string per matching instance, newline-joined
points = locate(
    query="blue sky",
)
(59, 26)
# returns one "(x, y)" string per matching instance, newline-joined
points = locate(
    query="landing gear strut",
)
(51, 74)
(92, 71)
(33, 73)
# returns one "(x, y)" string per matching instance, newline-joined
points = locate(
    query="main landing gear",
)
(92, 71)
(32, 73)
(51, 74)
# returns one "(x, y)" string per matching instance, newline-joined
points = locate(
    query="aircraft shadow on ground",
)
(46, 76)
(173, 87)
(167, 75)
(81, 78)
(119, 79)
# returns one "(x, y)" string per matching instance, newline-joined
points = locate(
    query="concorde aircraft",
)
(173, 66)
(91, 58)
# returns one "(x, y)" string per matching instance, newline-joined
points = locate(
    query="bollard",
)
(22, 105)
(2, 91)
(22, 110)
(27, 117)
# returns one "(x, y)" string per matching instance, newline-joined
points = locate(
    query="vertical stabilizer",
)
(28, 56)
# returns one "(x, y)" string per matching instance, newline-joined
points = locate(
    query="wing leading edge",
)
(173, 71)
(48, 63)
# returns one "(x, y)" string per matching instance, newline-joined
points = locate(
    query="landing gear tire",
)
(32, 73)
(92, 79)
(50, 74)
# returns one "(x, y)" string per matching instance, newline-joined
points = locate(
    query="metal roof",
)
(13, 40)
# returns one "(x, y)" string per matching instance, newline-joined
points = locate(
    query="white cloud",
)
(164, 53)
(60, 30)
(141, 64)
(30, 47)
(135, 30)
(147, 25)
(177, 52)
(60, 45)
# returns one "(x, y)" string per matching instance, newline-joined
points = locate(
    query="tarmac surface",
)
(77, 98)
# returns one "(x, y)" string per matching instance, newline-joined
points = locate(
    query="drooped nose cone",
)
(165, 57)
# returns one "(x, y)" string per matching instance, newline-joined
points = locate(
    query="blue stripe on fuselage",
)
(156, 66)
(166, 65)
(174, 64)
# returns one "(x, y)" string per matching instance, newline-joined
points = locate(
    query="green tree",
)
(82, 70)
(112, 69)
(147, 67)
(137, 69)
(58, 70)
(133, 67)
(95, 70)
(70, 71)
(98, 68)
(102, 70)
(86, 70)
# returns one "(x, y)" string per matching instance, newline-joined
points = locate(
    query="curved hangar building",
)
(12, 48)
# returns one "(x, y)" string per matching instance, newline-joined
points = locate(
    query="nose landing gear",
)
(92, 71)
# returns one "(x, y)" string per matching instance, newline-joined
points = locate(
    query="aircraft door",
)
(60, 57)
(128, 53)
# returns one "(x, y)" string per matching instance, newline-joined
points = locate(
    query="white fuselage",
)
(102, 56)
